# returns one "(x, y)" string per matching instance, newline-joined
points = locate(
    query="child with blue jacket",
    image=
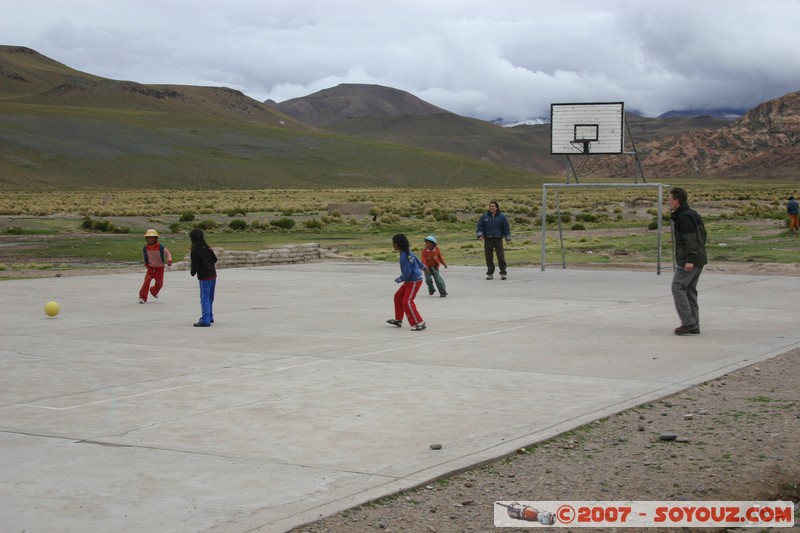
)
(411, 280)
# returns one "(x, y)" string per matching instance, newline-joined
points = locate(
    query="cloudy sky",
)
(485, 59)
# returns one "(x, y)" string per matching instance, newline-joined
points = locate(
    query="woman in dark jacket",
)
(203, 260)
(492, 229)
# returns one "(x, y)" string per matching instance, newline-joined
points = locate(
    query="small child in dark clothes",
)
(432, 258)
(203, 260)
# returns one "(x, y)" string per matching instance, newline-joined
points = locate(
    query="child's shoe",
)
(398, 323)
(418, 327)
(431, 292)
(141, 301)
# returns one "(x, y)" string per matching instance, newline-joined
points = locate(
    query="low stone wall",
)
(295, 253)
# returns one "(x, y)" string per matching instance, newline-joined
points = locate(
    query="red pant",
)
(793, 224)
(404, 302)
(153, 273)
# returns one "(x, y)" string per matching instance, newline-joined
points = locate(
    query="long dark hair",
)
(401, 241)
(198, 238)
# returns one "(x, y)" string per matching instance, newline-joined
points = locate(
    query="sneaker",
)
(202, 325)
(398, 323)
(155, 296)
(489, 276)
(431, 292)
(686, 330)
(443, 295)
(141, 301)
(418, 327)
(502, 276)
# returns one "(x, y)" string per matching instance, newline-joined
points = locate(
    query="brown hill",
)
(385, 114)
(27, 77)
(354, 100)
(62, 128)
(764, 143)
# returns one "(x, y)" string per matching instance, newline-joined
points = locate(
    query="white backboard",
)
(595, 128)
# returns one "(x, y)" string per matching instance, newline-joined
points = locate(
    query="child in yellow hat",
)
(156, 256)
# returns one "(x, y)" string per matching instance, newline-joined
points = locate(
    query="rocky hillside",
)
(764, 143)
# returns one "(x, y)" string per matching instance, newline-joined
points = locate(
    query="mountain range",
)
(60, 127)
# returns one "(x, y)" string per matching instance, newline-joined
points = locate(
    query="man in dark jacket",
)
(492, 229)
(689, 237)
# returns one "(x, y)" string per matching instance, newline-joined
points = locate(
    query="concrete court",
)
(301, 401)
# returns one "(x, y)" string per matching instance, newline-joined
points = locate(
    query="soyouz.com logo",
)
(643, 514)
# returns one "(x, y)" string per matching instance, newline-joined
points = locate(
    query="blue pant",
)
(207, 287)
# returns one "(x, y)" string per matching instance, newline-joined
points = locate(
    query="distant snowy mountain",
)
(730, 114)
(723, 113)
(527, 122)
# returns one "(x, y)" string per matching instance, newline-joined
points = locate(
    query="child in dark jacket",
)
(203, 261)
(411, 280)
(156, 257)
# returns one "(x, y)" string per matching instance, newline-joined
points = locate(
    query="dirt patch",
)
(68, 271)
(737, 439)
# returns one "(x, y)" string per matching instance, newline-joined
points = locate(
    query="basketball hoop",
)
(589, 129)
(583, 134)
(595, 128)
(582, 145)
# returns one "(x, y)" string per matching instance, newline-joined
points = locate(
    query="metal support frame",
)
(639, 170)
(571, 169)
(557, 186)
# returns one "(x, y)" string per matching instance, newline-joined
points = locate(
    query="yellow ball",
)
(51, 308)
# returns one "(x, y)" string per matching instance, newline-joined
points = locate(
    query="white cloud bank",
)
(504, 58)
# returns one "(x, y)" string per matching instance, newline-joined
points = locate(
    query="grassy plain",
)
(41, 230)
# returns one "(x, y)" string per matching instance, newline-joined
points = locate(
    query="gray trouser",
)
(433, 272)
(684, 292)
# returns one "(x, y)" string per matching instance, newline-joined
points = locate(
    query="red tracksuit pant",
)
(404, 302)
(153, 273)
